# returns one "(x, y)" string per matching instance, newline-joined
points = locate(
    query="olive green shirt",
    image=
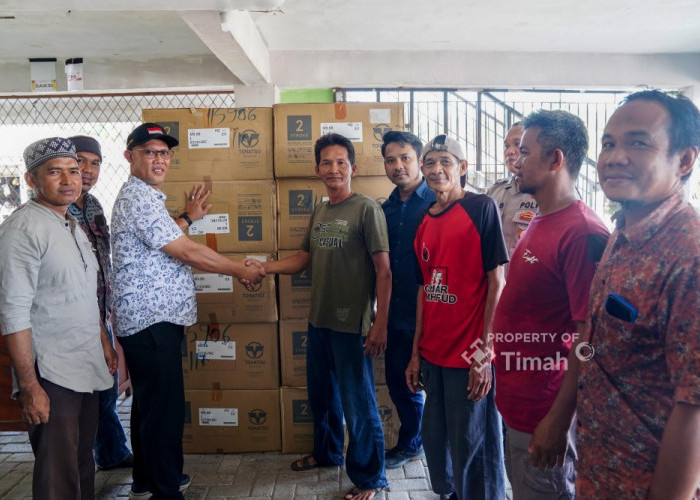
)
(341, 239)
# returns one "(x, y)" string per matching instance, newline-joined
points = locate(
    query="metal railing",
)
(480, 119)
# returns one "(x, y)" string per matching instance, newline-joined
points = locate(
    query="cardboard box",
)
(222, 299)
(231, 356)
(294, 291)
(242, 217)
(218, 144)
(297, 198)
(298, 127)
(388, 416)
(231, 421)
(293, 338)
(297, 421)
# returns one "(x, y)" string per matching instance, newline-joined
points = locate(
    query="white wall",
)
(320, 69)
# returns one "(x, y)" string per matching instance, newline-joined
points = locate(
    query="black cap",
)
(148, 131)
(86, 144)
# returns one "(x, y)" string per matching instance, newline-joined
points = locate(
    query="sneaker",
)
(139, 492)
(395, 458)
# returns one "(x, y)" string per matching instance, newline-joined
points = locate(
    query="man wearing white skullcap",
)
(61, 356)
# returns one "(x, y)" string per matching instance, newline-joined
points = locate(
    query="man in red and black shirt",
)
(460, 251)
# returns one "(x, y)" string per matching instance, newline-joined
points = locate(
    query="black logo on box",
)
(379, 130)
(248, 139)
(257, 416)
(254, 350)
(299, 128)
(302, 279)
(301, 202)
(301, 412)
(299, 340)
(250, 229)
(385, 413)
(172, 128)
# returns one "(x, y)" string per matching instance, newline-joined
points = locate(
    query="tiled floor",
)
(246, 475)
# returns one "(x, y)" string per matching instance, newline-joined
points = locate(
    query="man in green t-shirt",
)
(347, 249)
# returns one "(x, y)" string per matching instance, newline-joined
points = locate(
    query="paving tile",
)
(414, 469)
(16, 448)
(297, 477)
(231, 490)
(212, 478)
(263, 486)
(197, 492)
(22, 489)
(285, 490)
(326, 487)
(395, 474)
(397, 495)
(20, 457)
(328, 474)
(423, 495)
(408, 485)
(14, 437)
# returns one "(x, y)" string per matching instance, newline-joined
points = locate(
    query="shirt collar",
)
(645, 229)
(38, 206)
(421, 191)
(142, 185)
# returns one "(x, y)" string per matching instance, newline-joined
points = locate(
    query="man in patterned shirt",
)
(639, 395)
(154, 298)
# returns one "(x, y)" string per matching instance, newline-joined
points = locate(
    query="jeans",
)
(110, 442)
(340, 382)
(154, 358)
(462, 439)
(409, 405)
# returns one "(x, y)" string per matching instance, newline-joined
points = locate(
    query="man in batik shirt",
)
(639, 395)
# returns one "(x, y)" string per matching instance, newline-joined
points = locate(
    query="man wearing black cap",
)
(154, 298)
(60, 354)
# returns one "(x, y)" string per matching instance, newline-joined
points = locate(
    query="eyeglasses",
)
(151, 154)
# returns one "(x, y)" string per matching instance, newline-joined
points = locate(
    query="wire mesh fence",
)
(108, 118)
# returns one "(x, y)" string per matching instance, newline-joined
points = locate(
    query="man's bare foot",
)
(357, 494)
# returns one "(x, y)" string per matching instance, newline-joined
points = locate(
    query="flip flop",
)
(305, 464)
(354, 491)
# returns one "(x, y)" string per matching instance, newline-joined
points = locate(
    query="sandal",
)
(354, 491)
(306, 464)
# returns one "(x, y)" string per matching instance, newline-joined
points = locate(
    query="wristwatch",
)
(186, 218)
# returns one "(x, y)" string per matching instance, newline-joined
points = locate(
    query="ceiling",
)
(178, 28)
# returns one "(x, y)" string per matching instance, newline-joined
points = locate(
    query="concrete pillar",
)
(256, 95)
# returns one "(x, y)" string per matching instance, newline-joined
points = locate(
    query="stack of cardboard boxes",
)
(231, 356)
(238, 354)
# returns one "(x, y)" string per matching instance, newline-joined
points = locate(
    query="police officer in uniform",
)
(517, 209)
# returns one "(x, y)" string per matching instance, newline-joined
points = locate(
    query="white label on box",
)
(212, 349)
(223, 417)
(259, 258)
(351, 130)
(211, 223)
(203, 138)
(213, 283)
(380, 116)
